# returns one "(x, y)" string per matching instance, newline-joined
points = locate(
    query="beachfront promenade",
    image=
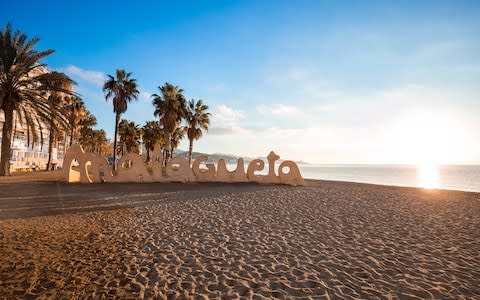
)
(168, 240)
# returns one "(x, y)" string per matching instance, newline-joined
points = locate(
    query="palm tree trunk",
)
(117, 121)
(71, 135)
(50, 147)
(7, 131)
(190, 150)
(166, 150)
(14, 130)
(148, 155)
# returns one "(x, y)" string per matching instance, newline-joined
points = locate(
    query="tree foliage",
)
(24, 84)
(198, 119)
(122, 90)
(170, 107)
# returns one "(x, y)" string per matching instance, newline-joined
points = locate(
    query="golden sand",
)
(326, 241)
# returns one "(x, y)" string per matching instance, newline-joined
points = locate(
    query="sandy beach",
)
(330, 240)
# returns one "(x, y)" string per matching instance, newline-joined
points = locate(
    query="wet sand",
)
(329, 240)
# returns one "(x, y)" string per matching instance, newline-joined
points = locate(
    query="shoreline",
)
(57, 176)
(392, 186)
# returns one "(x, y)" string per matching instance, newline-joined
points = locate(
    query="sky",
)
(382, 82)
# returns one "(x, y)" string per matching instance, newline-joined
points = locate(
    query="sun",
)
(429, 139)
(428, 175)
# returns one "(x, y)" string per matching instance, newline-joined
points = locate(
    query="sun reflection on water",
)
(428, 177)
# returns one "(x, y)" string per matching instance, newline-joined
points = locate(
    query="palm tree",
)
(93, 140)
(86, 138)
(103, 145)
(152, 136)
(197, 119)
(99, 138)
(130, 137)
(177, 137)
(76, 112)
(58, 122)
(170, 106)
(84, 123)
(24, 81)
(122, 90)
(86, 120)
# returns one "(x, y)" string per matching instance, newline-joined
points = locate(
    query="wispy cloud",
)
(146, 96)
(224, 115)
(226, 121)
(228, 130)
(95, 77)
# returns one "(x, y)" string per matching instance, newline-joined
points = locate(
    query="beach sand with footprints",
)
(329, 240)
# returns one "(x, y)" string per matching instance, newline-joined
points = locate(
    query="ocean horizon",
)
(450, 177)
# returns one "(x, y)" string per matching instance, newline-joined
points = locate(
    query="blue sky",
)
(319, 81)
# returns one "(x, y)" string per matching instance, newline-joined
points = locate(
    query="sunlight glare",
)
(427, 137)
(428, 176)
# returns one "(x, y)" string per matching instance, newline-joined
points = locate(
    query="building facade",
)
(33, 156)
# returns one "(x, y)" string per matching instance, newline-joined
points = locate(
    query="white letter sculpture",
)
(79, 166)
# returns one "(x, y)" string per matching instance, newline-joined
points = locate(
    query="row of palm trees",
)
(170, 106)
(44, 100)
(151, 134)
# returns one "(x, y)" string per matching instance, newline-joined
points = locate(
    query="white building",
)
(25, 157)
(35, 155)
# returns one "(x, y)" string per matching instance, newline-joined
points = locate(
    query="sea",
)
(452, 177)
(449, 177)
